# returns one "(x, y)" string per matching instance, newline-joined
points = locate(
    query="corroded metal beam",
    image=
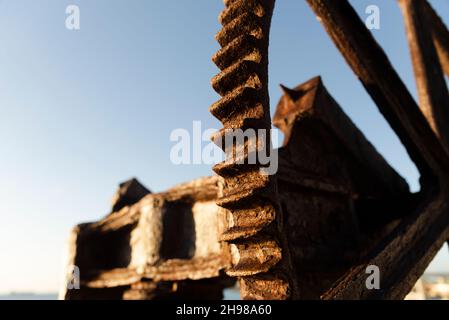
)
(432, 89)
(440, 35)
(405, 253)
(371, 65)
(402, 257)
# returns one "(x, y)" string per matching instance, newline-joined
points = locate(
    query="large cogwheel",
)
(252, 215)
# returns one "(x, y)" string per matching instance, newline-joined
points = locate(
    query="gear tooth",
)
(253, 257)
(243, 73)
(248, 198)
(242, 103)
(246, 23)
(264, 288)
(246, 222)
(239, 7)
(245, 46)
(229, 2)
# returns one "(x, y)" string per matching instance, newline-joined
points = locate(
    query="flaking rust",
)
(336, 194)
(343, 207)
(251, 211)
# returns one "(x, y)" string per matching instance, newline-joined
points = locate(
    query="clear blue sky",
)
(81, 111)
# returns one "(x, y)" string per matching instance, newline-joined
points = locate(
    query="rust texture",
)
(336, 204)
(252, 213)
(440, 35)
(339, 196)
(407, 250)
(128, 194)
(432, 90)
(334, 207)
(164, 239)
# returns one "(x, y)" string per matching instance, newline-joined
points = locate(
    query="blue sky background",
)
(81, 111)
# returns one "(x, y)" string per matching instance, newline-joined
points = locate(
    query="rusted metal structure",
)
(404, 252)
(333, 208)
